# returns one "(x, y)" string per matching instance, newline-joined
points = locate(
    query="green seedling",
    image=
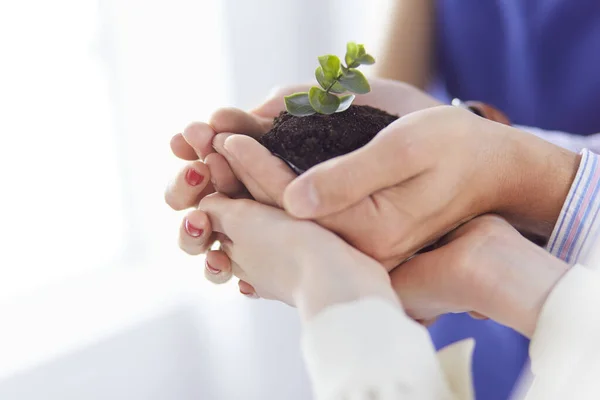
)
(334, 79)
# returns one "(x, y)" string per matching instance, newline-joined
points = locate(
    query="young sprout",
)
(334, 78)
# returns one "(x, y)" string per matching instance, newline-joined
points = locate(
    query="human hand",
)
(297, 262)
(197, 142)
(485, 267)
(422, 176)
(432, 170)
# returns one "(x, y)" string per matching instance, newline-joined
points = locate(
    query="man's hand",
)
(435, 169)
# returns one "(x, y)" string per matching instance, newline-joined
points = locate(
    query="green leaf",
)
(355, 81)
(366, 59)
(345, 102)
(360, 50)
(298, 104)
(323, 102)
(326, 82)
(331, 66)
(351, 54)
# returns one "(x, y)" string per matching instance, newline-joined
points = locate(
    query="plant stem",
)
(333, 83)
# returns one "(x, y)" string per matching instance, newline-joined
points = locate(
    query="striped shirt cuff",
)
(578, 225)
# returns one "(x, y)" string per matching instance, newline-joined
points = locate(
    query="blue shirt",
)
(539, 62)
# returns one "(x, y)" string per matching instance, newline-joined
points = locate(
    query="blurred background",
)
(96, 300)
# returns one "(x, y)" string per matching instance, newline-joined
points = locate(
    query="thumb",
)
(389, 159)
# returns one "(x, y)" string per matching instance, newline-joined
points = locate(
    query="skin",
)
(484, 267)
(407, 51)
(389, 209)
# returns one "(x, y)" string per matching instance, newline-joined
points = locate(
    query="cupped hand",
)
(418, 179)
(232, 177)
(431, 171)
(297, 262)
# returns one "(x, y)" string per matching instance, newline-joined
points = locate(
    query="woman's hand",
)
(485, 267)
(297, 262)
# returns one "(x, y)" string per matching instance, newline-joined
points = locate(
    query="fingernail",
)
(249, 295)
(210, 269)
(193, 177)
(192, 230)
(301, 200)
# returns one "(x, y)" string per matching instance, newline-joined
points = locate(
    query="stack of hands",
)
(440, 178)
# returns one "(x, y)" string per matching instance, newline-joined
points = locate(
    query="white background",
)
(91, 92)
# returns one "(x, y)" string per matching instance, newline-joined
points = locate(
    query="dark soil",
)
(307, 141)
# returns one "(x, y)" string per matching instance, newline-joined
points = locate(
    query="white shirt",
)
(370, 349)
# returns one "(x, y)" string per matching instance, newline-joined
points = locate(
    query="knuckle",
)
(193, 249)
(174, 201)
(221, 114)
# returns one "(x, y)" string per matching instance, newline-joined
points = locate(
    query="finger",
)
(247, 289)
(182, 149)
(195, 233)
(199, 136)
(223, 178)
(238, 121)
(191, 183)
(227, 216)
(252, 160)
(217, 267)
(241, 172)
(391, 158)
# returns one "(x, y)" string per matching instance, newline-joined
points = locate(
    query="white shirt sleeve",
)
(565, 349)
(370, 349)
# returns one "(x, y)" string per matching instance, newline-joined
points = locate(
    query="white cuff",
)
(567, 331)
(371, 348)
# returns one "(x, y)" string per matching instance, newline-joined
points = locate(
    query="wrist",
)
(523, 278)
(538, 181)
(323, 286)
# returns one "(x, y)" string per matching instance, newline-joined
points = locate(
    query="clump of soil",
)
(305, 142)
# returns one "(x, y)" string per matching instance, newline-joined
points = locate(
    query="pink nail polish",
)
(192, 230)
(193, 177)
(249, 295)
(211, 269)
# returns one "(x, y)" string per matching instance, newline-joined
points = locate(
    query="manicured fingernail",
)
(249, 295)
(193, 177)
(192, 230)
(211, 269)
(301, 200)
